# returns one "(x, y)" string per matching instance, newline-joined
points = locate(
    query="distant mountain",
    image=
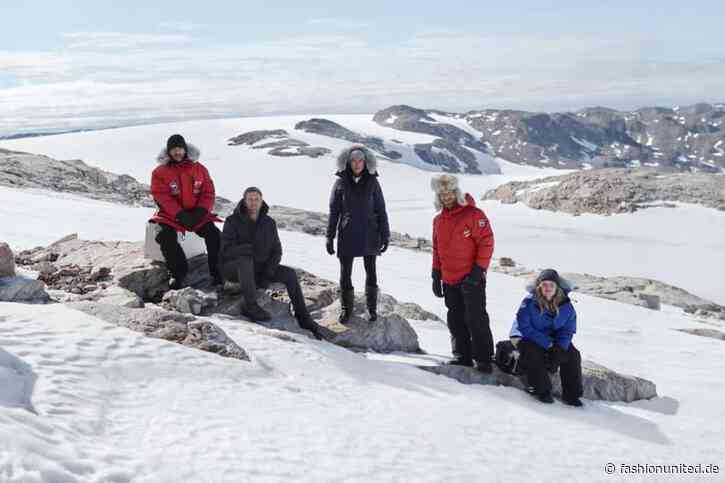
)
(690, 138)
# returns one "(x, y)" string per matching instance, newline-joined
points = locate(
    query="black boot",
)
(307, 323)
(347, 303)
(576, 402)
(255, 313)
(484, 366)
(460, 361)
(371, 296)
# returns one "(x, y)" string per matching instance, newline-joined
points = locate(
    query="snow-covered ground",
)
(84, 401)
(111, 405)
(683, 246)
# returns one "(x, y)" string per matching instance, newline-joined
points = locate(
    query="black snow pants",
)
(176, 258)
(468, 321)
(535, 362)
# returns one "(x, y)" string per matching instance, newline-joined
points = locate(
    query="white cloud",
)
(122, 40)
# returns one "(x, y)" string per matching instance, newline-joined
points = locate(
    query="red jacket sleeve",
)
(436, 256)
(162, 195)
(207, 196)
(483, 236)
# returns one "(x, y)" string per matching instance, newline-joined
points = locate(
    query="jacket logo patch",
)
(482, 223)
(174, 187)
(466, 233)
(197, 186)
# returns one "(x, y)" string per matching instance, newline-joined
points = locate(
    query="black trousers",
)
(468, 321)
(176, 258)
(371, 276)
(248, 274)
(535, 362)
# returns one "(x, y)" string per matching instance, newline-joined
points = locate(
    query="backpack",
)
(507, 357)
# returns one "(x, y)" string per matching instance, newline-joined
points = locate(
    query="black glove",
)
(555, 357)
(198, 214)
(383, 246)
(186, 219)
(330, 246)
(437, 284)
(474, 277)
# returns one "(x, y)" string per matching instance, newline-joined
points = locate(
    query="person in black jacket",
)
(251, 254)
(359, 218)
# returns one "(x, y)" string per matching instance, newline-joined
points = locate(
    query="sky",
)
(83, 64)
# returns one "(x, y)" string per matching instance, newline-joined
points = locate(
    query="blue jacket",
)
(547, 328)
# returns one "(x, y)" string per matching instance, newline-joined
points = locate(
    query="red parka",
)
(462, 236)
(182, 186)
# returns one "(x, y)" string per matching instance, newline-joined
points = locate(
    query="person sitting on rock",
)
(462, 250)
(251, 254)
(360, 221)
(542, 332)
(184, 192)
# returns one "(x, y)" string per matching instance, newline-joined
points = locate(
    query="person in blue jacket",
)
(542, 332)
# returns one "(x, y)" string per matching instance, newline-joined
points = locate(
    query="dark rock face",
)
(279, 144)
(331, 129)
(612, 191)
(690, 138)
(454, 150)
(24, 170)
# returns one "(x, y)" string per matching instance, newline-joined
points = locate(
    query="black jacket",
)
(357, 215)
(242, 237)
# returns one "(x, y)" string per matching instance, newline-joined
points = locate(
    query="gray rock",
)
(390, 333)
(652, 301)
(281, 144)
(22, 289)
(599, 382)
(188, 300)
(7, 261)
(25, 170)
(613, 191)
(172, 326)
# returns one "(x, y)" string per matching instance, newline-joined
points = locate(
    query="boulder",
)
(389, 333)
(7, 261)
(22, 289)
(163, 324)
(188, 300)
(599, 382)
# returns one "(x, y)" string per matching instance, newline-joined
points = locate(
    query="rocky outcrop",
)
(120, 275)
(7, 261)
(18, 288)
(454, 150)
(324, 127)
(688, 138)
(167, 325)
(279, 143)
(25, 170)
(599, 382)
(612, 191)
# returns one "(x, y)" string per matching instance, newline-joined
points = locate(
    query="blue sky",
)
(77, 64)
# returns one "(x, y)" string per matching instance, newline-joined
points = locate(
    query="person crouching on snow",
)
(184, 192)
(542, 332)
(462, 250)
(251, 254)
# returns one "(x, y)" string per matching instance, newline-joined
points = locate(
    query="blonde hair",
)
(550, 305)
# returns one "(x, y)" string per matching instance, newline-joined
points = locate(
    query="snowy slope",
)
(115, 406)
(683, 246)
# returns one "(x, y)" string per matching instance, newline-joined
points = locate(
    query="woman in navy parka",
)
(543, 330)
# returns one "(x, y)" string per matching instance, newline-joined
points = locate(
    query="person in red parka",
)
(462, 251)
(184, 192)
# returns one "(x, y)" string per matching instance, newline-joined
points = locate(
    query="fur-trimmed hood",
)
(192, 154)
(443, 183)
(371, 161)
(565, 285)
